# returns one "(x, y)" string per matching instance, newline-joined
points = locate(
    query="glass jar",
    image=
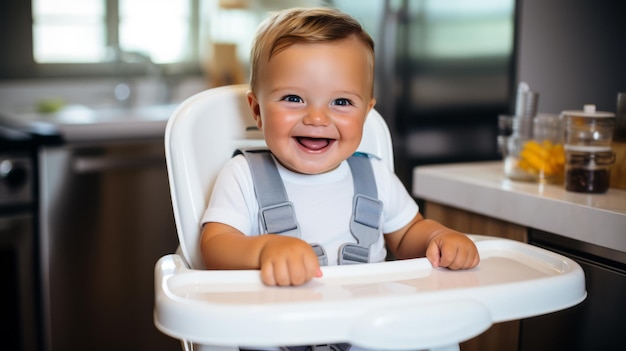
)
(588, 171)
(588, 129)
(539, 157)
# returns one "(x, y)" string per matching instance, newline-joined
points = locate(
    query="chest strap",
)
(277, 214)
(366, 212)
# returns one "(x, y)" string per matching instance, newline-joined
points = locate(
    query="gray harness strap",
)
(277, 214)
(366, 212)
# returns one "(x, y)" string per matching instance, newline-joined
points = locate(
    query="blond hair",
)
(302, 25)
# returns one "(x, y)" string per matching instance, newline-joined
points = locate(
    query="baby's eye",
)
(292, 98)
(342, 102)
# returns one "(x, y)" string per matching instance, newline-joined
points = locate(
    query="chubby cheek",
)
(273, 138)
(275, 130)
(351, 133)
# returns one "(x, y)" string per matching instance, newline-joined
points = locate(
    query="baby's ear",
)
(371, 105)
(255, 109)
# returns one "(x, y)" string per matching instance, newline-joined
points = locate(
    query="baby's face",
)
(311, 102)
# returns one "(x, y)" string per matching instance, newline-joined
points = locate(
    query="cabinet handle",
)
(83, 164)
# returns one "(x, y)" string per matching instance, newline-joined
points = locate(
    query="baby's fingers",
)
(267, 274)
(294, 271)
(301, 271)
(459, 258)
(433, 254)
(453, 254)
(278, 272)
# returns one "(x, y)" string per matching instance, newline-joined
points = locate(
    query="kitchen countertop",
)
(482, 187)
(79, 123)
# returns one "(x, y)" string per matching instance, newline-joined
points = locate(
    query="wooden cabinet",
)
(472, 223)
(501, 336)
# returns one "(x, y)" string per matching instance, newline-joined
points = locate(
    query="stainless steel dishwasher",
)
(106, 218)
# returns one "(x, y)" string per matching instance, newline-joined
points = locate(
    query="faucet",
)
(124, 91)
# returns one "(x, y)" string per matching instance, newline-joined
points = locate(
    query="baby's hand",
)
(452, 250)
(288, 261)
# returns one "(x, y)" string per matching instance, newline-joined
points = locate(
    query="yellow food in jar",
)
(543, 157)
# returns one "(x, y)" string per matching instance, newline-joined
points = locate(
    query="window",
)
(99, 38)
(89, 38)
(92, 31)
(55, 22)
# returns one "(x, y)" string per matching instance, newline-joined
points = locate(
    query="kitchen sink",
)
(86, 110)
(77, 123)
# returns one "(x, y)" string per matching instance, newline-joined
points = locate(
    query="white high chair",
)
(399, 305)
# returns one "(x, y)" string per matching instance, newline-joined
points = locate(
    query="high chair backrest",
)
(200, 137)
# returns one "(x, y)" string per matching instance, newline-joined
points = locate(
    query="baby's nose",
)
(316, 117)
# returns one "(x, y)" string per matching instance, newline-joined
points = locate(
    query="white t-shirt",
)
(323, 204)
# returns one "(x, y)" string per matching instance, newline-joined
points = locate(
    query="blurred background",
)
(86, 87)
(445, 69)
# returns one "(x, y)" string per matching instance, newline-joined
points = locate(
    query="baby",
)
(311, 89)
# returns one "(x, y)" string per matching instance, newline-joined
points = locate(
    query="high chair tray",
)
(394, 305)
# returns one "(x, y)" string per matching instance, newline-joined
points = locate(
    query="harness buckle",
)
(280, 219)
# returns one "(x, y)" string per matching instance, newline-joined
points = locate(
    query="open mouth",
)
(314, 144)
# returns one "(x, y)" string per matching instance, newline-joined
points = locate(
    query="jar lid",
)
(587, 148)
(588, 111)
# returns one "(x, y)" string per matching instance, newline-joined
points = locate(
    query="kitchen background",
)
(95, 111)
